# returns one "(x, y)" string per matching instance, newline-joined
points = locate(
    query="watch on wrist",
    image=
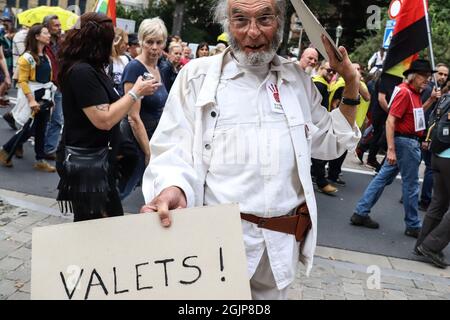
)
(351, 102)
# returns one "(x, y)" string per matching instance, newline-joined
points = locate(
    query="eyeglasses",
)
(330, 71)
(264, 21)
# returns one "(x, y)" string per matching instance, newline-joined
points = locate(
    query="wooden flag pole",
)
(427, 19)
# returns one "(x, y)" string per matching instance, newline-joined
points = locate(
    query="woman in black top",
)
(92, 109)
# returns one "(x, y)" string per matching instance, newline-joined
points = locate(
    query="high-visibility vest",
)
(320, 79)
(340, 83)
(361, 109)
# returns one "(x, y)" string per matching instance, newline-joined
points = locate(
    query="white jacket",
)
(181, 145)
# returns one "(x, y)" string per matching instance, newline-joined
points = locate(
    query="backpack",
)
(439, 124)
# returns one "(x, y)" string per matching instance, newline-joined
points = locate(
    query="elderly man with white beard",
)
(240, 127)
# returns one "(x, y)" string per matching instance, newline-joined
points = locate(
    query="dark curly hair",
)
(90, 41)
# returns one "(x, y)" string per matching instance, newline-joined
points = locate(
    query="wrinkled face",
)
(55, 27)
(421, 80)
(153, 46)
(44, 36)
(253, 27)
(203, 52)
(442, 75)
(309, 58)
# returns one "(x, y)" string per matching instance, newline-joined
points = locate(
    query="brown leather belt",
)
(298, 224)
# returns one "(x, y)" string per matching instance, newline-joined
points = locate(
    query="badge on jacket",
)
(274, 94)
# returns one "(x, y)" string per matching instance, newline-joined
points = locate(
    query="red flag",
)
(112, 11)
(409, 37)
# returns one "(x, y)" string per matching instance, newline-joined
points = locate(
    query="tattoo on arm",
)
(103, 107)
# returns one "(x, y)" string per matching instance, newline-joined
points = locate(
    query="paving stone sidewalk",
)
(330, 279)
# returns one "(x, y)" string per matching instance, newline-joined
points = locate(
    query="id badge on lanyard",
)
(419, 116)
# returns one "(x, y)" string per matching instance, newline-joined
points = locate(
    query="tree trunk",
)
(178, 17)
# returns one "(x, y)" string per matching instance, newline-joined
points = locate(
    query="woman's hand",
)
(146, 87)
(35, 107)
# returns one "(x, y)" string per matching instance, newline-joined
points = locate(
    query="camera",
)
(147, 76)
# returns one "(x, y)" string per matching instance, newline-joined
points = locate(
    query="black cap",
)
(133, 39)
(419, 65)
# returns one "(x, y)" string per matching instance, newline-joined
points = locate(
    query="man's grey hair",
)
(48, 19)
(410, 78)
(221, 16)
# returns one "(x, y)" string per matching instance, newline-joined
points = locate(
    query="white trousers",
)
(263, 285)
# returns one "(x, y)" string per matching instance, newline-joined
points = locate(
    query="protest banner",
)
(314, 29)
(201, 256)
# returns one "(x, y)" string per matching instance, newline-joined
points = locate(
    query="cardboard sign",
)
(314, 29)
(201, 256)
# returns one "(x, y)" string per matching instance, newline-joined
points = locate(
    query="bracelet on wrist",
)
(134, 96)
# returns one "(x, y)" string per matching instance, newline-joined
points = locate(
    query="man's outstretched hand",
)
(344, 67)
(169, 199)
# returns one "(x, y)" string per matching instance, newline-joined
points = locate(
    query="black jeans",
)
(38, 127)
(318, 171)
(377, 140)
(435, 234)
(335, 167)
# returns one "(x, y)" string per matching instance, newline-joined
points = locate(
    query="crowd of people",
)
(118, 110)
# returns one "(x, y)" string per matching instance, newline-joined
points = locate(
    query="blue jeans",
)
(127, 187)
(408, 161)
(54, 126)
(427, 185)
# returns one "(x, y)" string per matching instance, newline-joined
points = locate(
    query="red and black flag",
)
(409, 37)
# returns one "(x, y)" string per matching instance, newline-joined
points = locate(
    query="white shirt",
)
(377, 59)
(253, 155)
(186, 148)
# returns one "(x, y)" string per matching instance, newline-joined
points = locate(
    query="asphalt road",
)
(334, 211)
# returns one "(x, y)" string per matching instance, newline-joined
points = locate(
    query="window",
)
(11, 3)
(71, 2)
(42, 2)
(54, 3)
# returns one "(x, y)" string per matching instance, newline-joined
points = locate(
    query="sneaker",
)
(43, 165)
(364, 221)
(360, 155)
(412, 232)
(435, 258)
(3, 158)
(374, 164)
(338, 181)
(8, 117)
(328, 189)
